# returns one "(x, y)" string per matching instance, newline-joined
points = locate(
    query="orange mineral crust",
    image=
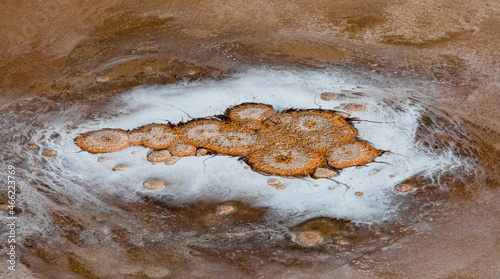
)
(289, 143)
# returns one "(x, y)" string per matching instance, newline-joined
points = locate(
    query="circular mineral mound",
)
(102, 159)
(280, 187)
(182, 149)
(159, 156)
(250, 111)
(290, 143)
(153, 184)
(172, 160)
(120, 167)
(324, 140)
(199, 132)
(319, 130)
(354, 107)
(306, 121)
(136, 136)
(103, 141)
(351, 154)
(351, 107)
(234, 140)
(345, 134)
(273, 181)
(290, 161)
(225, 209)
(323, 173)
(158, 136)
(201, 152)
(328, 96)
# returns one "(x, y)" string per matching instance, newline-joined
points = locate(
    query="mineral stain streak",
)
(290, 143)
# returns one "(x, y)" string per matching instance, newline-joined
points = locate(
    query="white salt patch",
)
(223, 178)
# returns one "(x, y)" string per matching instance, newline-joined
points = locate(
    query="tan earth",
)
(74, 50)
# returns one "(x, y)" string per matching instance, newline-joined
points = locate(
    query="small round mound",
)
(273, 181)
(328, 96)
(280, 187)
(102, 159)
(159, 156)
(351, 154)
(172, 160)
(120, 167)
(182, 149)
(153, 184)
(233, 140)
(354, 107)
(103, 141)
(201, 152)
(158, 136)
(351, 107)
(291, 161)
(250, 112)
(49, 153)
(323, 173)
(199, 132)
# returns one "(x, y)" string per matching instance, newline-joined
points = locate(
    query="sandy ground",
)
(74, 49)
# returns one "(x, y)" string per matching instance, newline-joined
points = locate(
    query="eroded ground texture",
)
(419, 80)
